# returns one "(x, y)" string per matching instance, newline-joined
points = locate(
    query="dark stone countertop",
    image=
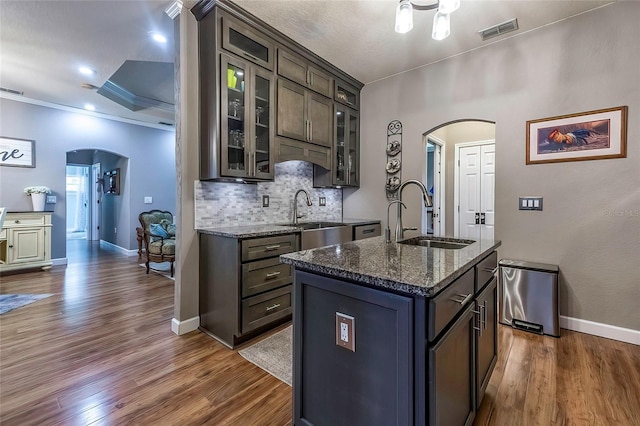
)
(266, 230)
(406, 268)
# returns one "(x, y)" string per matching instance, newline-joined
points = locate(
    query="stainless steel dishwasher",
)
(528, 294)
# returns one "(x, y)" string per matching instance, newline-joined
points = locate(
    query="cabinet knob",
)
(11, 246)
(16, 221)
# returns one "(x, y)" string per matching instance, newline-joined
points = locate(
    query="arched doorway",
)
(449, 139)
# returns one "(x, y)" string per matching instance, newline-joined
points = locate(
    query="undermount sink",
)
(435, 242)
(320, 234)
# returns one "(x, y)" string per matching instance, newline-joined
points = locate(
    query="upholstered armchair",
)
(157, 235)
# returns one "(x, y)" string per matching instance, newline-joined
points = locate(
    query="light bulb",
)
(404, 17)
(448, 6)
(441, 26)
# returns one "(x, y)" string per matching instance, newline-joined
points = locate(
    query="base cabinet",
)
(417, 361)
(25, 241)
(244, 289)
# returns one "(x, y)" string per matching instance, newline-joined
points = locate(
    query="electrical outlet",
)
(322, 201)
(148, 200)
(115, 230)
(265, 201)
(51, 199)
(346, 331)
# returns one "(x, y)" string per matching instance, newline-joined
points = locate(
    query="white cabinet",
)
(25, 241)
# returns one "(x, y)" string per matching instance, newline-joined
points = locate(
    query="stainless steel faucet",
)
(295, 205)
(387, 230)
(427, 203)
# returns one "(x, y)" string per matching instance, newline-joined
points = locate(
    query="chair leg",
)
(172, 269)
(147, 264)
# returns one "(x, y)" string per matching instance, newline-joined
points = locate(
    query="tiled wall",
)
(224, 204)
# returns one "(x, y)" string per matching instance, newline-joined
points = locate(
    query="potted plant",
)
(38, 196)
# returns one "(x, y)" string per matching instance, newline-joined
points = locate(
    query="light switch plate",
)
(346, 331)
(530, 203)
(265, 201)
(51, 199)
(148, 200)
(322, 201)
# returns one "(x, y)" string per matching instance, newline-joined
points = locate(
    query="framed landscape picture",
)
(591, 135)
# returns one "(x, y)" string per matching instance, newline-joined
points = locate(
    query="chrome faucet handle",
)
(387, 230)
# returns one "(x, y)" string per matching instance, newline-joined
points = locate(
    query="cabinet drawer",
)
(366, 231)
(262, 309)
(265, 275)
(485, 270)
(24, 220)
(446, 305)
(260, 248)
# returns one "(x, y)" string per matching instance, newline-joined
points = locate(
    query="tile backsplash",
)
(227, 204)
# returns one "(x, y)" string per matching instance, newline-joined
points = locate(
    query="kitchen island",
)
(392, 333)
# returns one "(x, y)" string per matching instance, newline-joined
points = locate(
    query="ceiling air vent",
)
(15, 92)
(500, 29)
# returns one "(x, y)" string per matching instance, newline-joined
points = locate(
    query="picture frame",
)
(591, 135)
(111, 182)
(16, 152)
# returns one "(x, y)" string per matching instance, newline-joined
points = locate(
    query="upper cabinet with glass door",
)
(246, 130)
(347, 95)
(247, 43)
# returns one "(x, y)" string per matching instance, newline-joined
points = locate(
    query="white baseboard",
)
(602, 330)
(118, 248)
(59, 261)
(186, 326)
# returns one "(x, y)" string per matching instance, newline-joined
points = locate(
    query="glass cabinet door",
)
(263, 119)
(234, 150)
(341, 152)
(353, 154)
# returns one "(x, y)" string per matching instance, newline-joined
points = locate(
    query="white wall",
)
(152, 170)
(590, 225)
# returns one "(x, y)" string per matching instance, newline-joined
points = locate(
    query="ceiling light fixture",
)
(86, 70)
(441, 20)
(89, 107)
(159, 37)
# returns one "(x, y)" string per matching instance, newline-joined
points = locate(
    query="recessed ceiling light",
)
(89, 107)
(159, 37)
(86, 71)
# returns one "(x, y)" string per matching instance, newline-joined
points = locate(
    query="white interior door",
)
(487, 190)
(469, 192)
(476, 191)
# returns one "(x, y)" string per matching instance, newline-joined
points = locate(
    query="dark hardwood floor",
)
(100, 351)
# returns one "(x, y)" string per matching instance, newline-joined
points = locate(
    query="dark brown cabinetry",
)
(345, 166)
(487, 337)
(303, 114)
(246, 104)
(245, 42)
(244, 289)
(295, 68)
(263, 98)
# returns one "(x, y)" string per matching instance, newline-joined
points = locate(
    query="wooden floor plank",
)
(100, 351)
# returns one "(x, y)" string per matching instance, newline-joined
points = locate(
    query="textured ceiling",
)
(43, 42)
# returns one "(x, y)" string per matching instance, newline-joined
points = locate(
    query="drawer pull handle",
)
(464, 300)
(272, 275)
(492, 270)
(368, 231)
(16, 221)
(272, 248)
(271, 308)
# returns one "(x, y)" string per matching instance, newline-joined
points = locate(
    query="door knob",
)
(482, 218)
(477, 218)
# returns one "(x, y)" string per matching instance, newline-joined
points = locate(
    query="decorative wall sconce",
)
(441, 20)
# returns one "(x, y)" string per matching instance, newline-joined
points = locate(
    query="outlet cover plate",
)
(346, 331)
(322, 201)
(148, 200)
(265, 201)
(51, 199)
